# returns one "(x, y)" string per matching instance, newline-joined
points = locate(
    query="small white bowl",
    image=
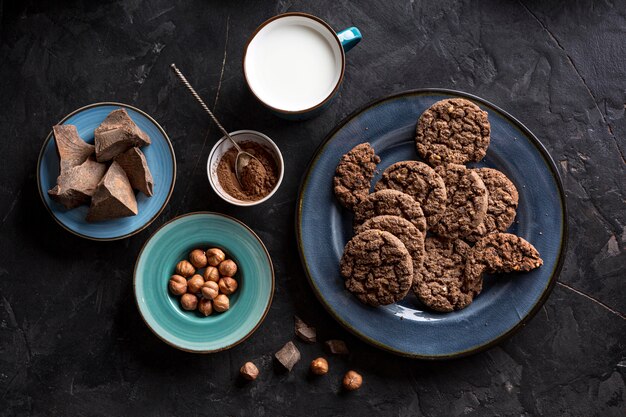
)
(223, 145)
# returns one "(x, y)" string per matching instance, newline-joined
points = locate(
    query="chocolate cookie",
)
(453, 131)
(420, 182)
(392, 202)
(404, 230)
(502, 203)
(353, 175)
(467, 202)
(377, 268)
(502, 252)
(440, 282)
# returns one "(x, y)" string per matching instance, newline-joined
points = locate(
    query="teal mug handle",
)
(349, 38)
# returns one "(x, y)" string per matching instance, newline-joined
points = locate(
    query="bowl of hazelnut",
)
(203, 282)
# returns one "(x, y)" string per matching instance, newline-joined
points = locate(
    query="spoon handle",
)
(203, 104)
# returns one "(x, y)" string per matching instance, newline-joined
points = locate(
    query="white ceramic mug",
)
(294, 63)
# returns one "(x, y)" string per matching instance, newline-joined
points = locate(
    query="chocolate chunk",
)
(337, 347)
(304, 331)
(76, 185)
(114, 196)
(116, 134)
(288, 356)
(133, 162)
(72, 150)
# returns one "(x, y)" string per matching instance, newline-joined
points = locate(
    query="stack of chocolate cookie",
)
(436, 227)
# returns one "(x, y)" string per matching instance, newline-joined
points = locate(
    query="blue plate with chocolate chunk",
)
(106, 171)
(409, 327)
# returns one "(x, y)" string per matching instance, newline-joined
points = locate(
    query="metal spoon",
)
(243, 157)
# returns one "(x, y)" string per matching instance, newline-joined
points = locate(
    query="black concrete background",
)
(71, 339)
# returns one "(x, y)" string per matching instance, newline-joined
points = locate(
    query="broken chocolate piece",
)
(133, 162)
(76, 185)
(304, 331)
(337, 347)
(288, 356)
(114, 196)
(116, 134)
(72, 150)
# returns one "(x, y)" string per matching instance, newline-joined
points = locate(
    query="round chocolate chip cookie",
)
(440, 282)
(353, 175)
(467, 202)
(404, 230)
(377, 268)
(420, 182)
(391, 202)
(501, 206)
(502, 252)
(453, 131)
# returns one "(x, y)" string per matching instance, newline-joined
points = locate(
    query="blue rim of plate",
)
(261, 319)
(153, 218)
(549, 163)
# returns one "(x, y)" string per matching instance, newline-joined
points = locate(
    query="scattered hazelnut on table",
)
(178, 285)
(228, 268)
(185, 269)
(249, 371)
(210, 290)
(221, 303)
(211, 274)
(195, 283)
(205, 307)
(189, 302)
(227, 285)
(215, 256)
(319, 366)
(197, 257)
(352, 381)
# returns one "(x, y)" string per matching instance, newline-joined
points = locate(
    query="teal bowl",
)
(189, 330)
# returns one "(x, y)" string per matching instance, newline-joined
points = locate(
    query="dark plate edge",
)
(269, 302)
(157, 214)
(563, 244)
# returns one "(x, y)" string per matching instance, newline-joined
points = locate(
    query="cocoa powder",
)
(259, 177)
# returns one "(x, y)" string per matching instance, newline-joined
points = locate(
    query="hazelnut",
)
(211, 274)
(319, 366)
(228, 268)
(197, 257)
(249, 371)
(215, 256)
(185, 269)
(227, 285)
(189, 301)
(195, 283)
(178, 285)
(210, 290)
(352, 381)
(205, 307)
(221, 303)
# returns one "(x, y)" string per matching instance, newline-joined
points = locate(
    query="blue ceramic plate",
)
(159, 155)
(188, 330)
(406, 328)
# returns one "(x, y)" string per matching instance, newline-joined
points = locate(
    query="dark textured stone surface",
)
(71, 339)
